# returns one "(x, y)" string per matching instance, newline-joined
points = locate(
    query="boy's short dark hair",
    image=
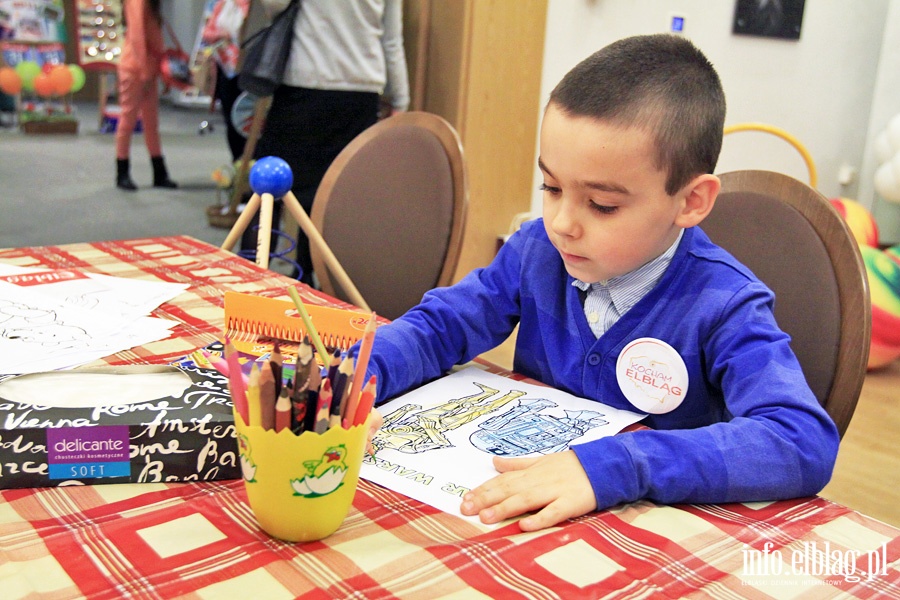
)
(661, 83)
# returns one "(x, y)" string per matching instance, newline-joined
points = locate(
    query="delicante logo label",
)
(812, 563)
(88, 452)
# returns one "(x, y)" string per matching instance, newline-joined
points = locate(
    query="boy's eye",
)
(606, 210)
(549, 188)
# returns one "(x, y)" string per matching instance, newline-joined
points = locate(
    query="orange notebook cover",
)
(253, 323)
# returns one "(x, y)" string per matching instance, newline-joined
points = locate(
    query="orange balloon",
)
(62, 79)
(10, 82)
(43, 85)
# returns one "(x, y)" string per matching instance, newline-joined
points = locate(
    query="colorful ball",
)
(271, 175)
(78, 77)
(10, 81)
(884, 287)
(28, 70)
(859, 219)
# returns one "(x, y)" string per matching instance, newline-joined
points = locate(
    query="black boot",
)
(160, 174)
(123, 177)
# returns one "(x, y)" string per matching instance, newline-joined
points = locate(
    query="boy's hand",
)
(375, 423)
(555, 485)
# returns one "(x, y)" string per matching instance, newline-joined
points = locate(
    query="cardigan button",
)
(593, 359)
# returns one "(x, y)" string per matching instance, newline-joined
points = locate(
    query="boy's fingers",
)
(504, 465)
(552, 514)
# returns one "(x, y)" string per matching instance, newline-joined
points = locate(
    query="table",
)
(200, 540)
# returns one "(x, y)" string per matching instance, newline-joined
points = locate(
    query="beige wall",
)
(483, 74)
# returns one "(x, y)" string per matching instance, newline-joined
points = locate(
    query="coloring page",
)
(438, 441)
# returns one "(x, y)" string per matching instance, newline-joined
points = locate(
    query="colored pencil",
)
(324, 406)
(304, 364)
(236, 382)
(253, 406)
(310, 326)
(366, 402)
(312, 397)
(359, 374)
(217, 362)
(341, 390)
(277, 361)
(267, 396)
(283, 410)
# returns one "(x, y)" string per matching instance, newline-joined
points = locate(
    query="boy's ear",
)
(698, 198)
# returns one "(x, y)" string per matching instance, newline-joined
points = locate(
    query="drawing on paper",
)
(523, 428)
(38, 325)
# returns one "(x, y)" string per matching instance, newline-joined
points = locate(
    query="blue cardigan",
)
(749, 428)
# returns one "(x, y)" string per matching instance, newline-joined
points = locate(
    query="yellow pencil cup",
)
(300, 487)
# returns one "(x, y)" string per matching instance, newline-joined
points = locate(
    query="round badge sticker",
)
(652, 375)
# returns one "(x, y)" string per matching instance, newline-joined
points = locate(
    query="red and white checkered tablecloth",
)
(201, 540)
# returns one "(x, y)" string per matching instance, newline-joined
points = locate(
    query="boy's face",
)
(606, 209)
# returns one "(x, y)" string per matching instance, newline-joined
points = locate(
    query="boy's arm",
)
(450, 326)
(779, 443)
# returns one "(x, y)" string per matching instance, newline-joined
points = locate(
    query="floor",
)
(60, 189)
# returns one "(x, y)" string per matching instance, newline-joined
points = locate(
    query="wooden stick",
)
(237, 230)
(264, 235)
(260, 108)
(306, 224)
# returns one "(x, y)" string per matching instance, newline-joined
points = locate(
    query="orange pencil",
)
(267, 396)
(366, 402)
(359, 375)
(283, 410)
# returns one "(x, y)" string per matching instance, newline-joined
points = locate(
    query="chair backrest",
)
(392, 207)
(794, 240)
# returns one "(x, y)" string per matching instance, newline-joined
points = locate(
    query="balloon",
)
(28, 70)
(62, 80)
(78, 77)
(43, 85)
(10, 81)
(47, 67)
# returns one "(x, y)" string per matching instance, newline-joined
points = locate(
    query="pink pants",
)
(137, 97)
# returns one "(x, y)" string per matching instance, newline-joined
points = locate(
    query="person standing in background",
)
(138, 71)
(229, 24)
(344, 56)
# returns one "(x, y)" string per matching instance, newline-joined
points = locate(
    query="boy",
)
(620, 298)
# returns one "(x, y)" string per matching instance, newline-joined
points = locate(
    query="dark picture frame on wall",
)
(769, 18)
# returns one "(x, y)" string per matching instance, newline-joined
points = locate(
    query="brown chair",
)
(792, 238)
(392, 207)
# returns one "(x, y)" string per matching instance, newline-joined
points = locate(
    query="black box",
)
(187, 436)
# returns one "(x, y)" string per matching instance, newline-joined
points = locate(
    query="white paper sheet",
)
(40, 333)
(438, 440)
(92, 291)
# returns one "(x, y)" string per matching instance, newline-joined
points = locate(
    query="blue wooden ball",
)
(271, 175)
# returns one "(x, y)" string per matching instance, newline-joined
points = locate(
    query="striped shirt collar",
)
(626, 290)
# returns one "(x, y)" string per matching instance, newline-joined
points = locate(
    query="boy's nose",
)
(564, 221)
